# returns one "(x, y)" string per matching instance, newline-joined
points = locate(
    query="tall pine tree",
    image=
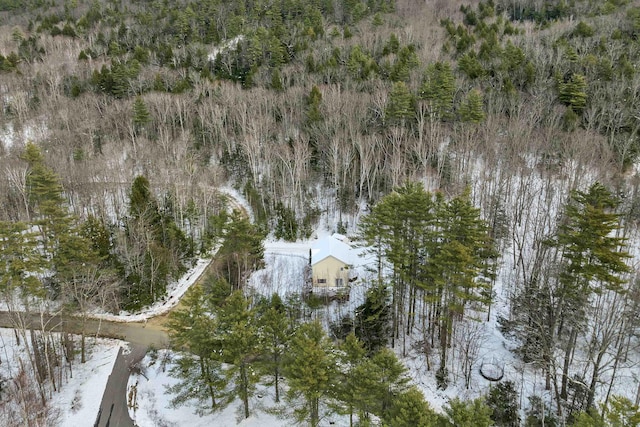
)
(310, 371)
(593, 260)
(193, 330)
(240, 347)
(274, 330)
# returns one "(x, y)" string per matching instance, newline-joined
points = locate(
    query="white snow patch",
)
(225, 45)
(238, 201)
(331, 246)
(79, 401)
(11, 138)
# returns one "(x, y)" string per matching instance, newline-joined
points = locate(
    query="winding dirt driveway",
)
(151, 335)
(141, 336)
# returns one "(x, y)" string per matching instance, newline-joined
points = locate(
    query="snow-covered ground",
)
(153, 406)
(284, 274)
(15, 138)
(79, 400)
(78, 397)
(225, 45)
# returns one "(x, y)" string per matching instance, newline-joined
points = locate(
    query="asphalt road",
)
(113, 409)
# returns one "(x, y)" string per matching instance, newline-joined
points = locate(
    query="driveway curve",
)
(114, 411)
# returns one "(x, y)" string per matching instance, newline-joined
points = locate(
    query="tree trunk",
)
(83, 358)
(314, 412)
(567, 361)
(277, 379)
(594, 379)
(204, 368)
(245, 391)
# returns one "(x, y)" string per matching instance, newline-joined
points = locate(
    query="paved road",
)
(114, 411)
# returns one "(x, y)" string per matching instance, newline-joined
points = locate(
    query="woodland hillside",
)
(481, 151)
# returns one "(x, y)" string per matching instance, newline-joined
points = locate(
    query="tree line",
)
(358, 106)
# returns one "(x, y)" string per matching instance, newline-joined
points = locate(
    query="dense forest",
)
(464, 143)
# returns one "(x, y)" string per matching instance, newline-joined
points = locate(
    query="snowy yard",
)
(154, 407)
(283, 274)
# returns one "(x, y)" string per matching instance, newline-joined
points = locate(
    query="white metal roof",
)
(330, 246)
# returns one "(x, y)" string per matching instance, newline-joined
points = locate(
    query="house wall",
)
(330, 269)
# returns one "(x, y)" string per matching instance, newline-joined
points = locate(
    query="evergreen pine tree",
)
(96, 231)
(360, 64)
(400, 107)
(276, 80)
(76, 271)
(274, 329)
(589, 418)
(472, 110)
(473, 413)
(593, 259)
(310, 372)
(239, 346)
(192, 329)
(390, 379)
(503, 400)
(410, 409)
(142, 203)
(46, 200)
(20, 261)
(438, 87)
(43, 184)
(242, 251)
(622, 412)
(573, 92)
(398, 230)
(350, 381)
(141, 116)
(459, 269)
(313, 102)
(156, 248)
(373, 319)
(406, 61)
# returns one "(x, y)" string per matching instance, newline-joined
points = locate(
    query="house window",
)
(322, 281)
(339, 283)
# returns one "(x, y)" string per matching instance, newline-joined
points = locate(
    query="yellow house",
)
(330, 264)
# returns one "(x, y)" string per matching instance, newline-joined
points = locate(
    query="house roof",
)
(330, 246)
